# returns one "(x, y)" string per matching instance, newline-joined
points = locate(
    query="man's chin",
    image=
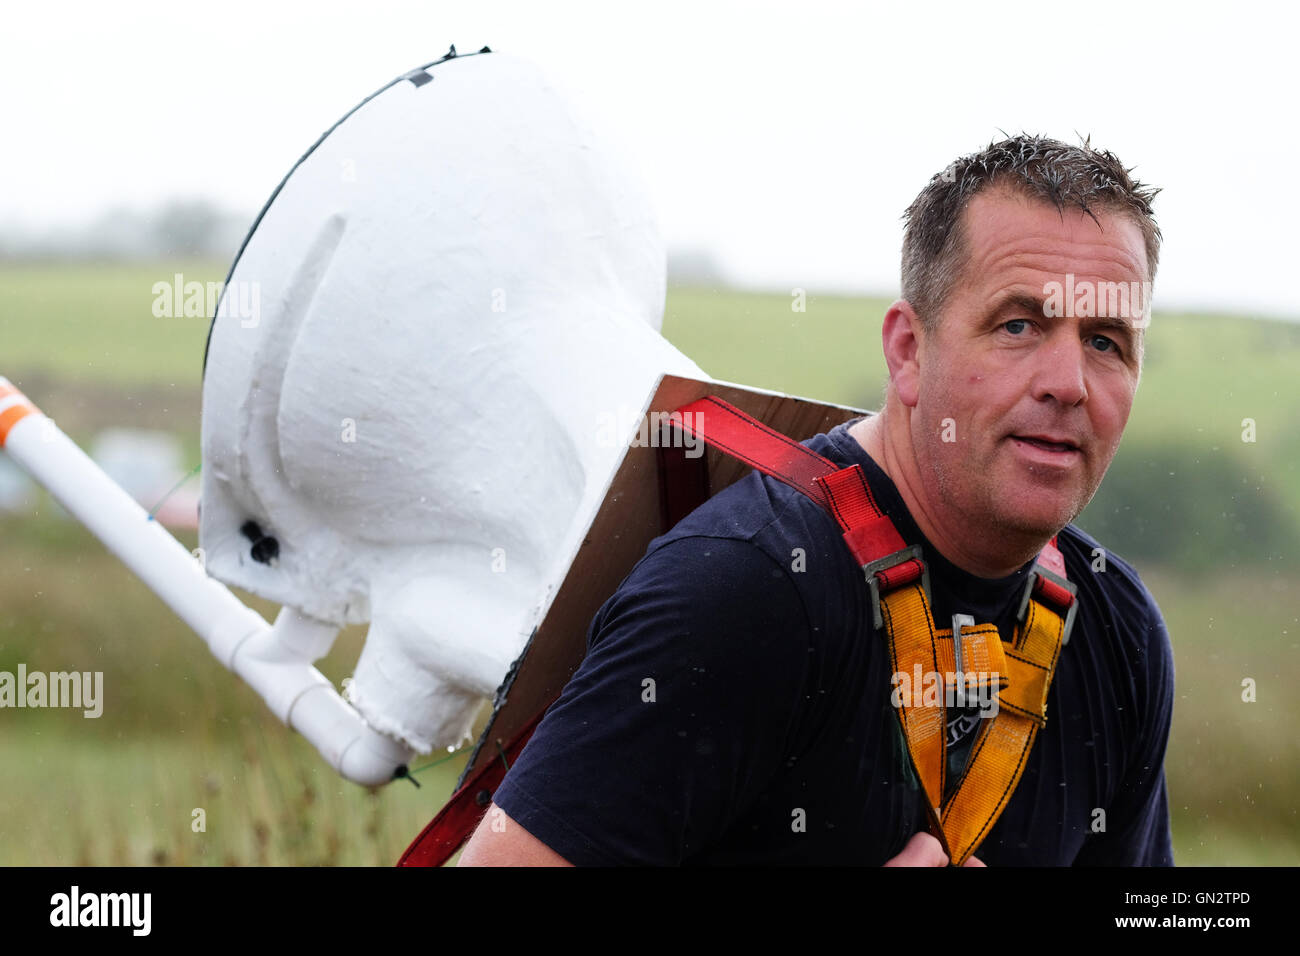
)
(1037, 525)
(1040, 534)
(1040, 510)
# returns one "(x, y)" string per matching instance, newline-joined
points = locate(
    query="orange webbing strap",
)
(1020, 677)
(921, 654)
(1002, 747)
(14, 407)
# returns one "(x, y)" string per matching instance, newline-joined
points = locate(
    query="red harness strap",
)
(871, 537)
(887, 561)
(448, 831)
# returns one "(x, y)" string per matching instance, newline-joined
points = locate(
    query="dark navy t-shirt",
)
(734, 704)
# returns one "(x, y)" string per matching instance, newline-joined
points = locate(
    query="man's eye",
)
(1104, 344)
(1016, 326)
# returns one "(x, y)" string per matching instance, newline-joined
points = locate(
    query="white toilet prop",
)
(431, 394)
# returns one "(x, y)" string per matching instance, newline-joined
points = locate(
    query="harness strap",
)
(1019, 676)
(448, 831)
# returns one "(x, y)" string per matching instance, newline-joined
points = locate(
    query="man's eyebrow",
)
(1017, 302)
(1107, 322)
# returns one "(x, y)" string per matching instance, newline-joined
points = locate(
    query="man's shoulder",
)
(752, 532)
(733, 549)
(1117, 607)
(768, 516)
(1090, 564)
(757, 556)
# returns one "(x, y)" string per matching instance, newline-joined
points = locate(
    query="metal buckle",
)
(1055, 579)
(959, 676)
(871, 568)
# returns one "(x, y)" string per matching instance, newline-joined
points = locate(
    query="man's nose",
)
(1060, 370)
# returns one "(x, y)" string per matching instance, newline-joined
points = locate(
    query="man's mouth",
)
(1047, 443)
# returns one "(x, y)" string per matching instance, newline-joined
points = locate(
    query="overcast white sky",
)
(786, 138)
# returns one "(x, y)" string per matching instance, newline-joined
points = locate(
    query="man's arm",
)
(500, 841)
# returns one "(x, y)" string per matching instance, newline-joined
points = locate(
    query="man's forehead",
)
(1004, 227)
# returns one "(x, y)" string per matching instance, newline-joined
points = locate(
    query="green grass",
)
(179, 732)
(94, 323)
(830, 351)
(98, 797)
(1231, 763)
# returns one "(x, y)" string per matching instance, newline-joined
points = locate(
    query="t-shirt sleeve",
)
(679, 714)
(1137, 822)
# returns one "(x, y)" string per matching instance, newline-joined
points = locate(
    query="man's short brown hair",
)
(1080, 177)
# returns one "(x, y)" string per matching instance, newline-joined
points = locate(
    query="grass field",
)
(181, 734)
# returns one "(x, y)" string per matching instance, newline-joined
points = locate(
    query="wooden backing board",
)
(627, 521)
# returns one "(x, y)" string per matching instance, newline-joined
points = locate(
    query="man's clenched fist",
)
(925, 850)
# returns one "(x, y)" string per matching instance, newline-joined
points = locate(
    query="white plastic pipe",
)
(275, 661)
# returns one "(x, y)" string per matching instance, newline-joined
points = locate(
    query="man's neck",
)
(965, 546)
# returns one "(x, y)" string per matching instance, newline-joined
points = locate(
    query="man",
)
(770, 735)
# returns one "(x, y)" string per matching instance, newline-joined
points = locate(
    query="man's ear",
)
(901, 337)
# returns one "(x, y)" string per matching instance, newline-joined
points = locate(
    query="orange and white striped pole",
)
(14, 407)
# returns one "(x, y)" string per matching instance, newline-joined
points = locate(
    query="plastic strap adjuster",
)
(872, 568)
(1059, 581)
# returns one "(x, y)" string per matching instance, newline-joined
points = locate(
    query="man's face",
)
(1020, 386)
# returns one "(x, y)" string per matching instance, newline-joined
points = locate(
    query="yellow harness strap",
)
(1019, 676)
